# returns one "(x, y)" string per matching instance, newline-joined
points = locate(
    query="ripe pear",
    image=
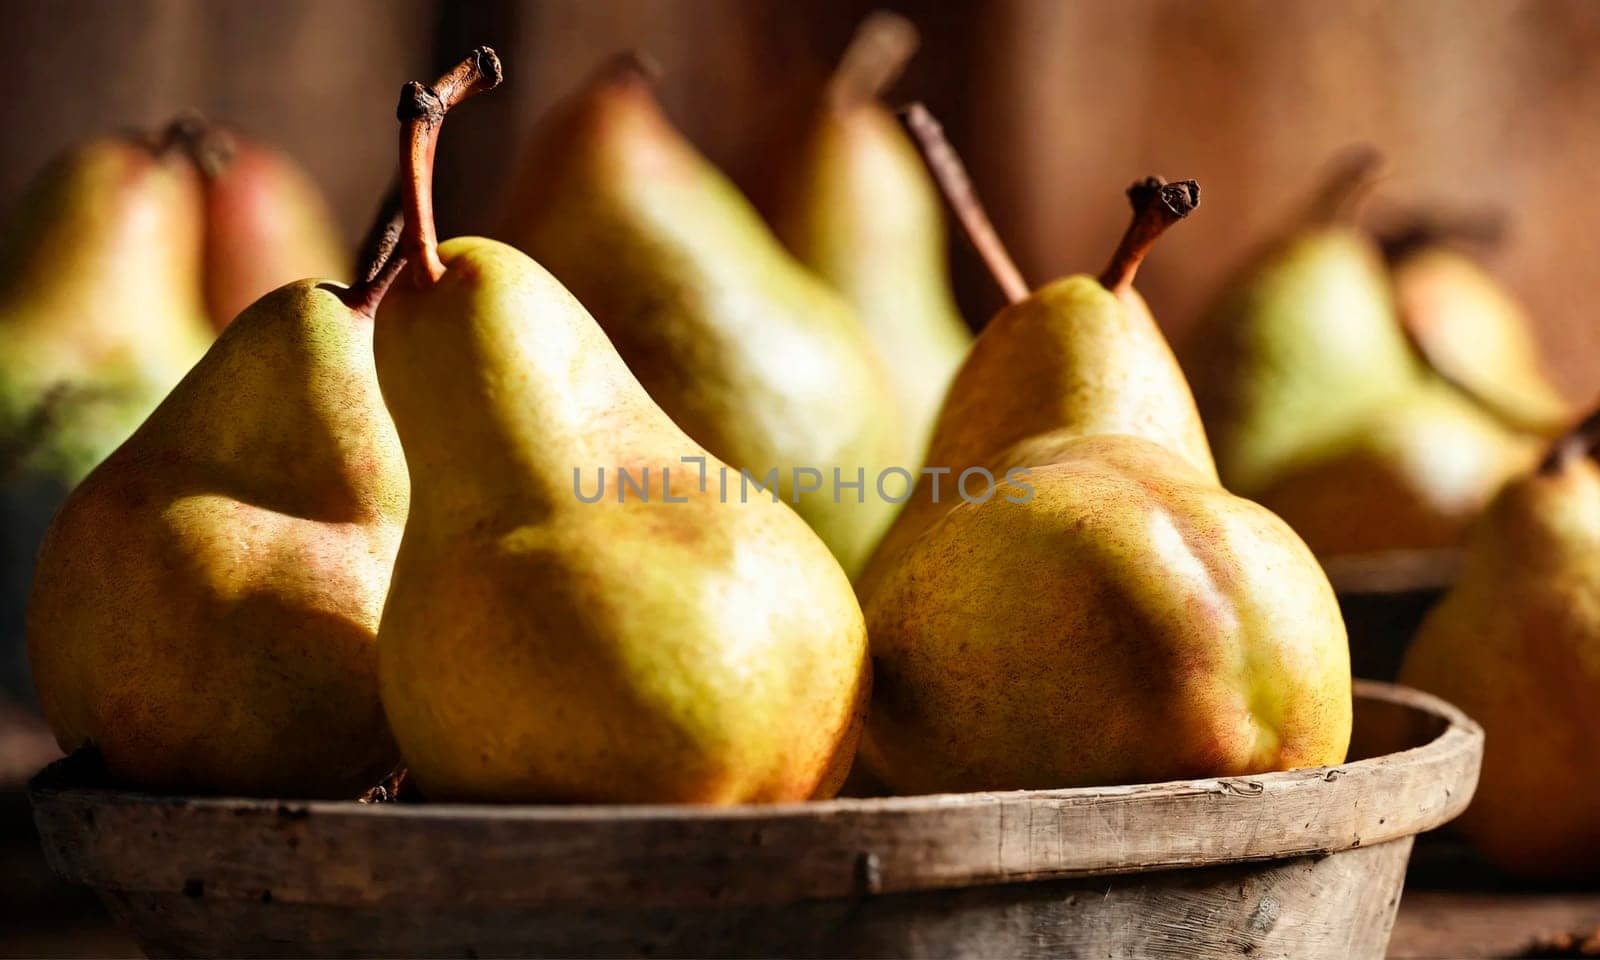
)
(1320, 407)
(267, 223)
(100, 314)
(1301, 348)
(100, 302)
(1414, 476)
(859, 209)
(1095, 363)
(670, 645)
(1516, 644)
(1473, 331)
(1110, 614)
(746, 350)
(205, 606)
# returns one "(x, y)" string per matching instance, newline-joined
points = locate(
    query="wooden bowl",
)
(1384, 597)
(1306, 864)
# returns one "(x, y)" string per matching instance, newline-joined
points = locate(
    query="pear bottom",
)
(626, 653)
(1132, 622)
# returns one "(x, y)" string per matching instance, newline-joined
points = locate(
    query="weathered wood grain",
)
(1475, 923)
(1308, 908)
(851, 876)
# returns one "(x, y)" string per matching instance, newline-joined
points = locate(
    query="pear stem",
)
(875, 58)
(210, 147)
(1578, 442)
(956, 186)
(421, 113)
(1354, 172)
(1479, 229)
(1157, 205)
(383, 237)
(379, 261)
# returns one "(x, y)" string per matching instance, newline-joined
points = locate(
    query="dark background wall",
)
(1057, 105)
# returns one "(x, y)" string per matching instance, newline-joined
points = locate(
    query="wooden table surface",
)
(1467, 924)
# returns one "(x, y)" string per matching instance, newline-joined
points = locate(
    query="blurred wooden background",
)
(1057, 105)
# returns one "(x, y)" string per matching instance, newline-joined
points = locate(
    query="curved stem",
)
(1353, 172)
(421, 113)
(379, 261)
(378, 246)
(1578, 442)
(875, 58)
(951, 176)
(1157, 205)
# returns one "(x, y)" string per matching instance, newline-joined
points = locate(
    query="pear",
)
(745, 349)
(100, 314)
(1321, 408)
(672, 645)
(1302, 347)
(1108, 613)
(100, 302)
(1516, 644)
(205, 606)
(1471, 329)
(1413, 477)
(267, 223)
(859, 209)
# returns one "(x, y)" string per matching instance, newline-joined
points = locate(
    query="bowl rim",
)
(682, 855)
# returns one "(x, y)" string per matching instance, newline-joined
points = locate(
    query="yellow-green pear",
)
(1472, 330)
(746, 350)
(1516, 644)
(580, 610)
(1320, 407)
(857, 207)
(205, 608)
(100, 314)
(1302, 346)
(100, 302)
(1412, 477)
(1105, 612)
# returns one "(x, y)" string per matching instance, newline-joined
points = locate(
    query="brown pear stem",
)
(1157, 205)
(421, 113)
(632, 66)
(1578, 442)
(379, 261)
(383, 237)
(875, 58)
(209, 146)
(951, 176)
(1479, 229)
(1353, 172)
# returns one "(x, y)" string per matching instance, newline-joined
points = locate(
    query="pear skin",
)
(205, 607)
(1109, 614)
(859, 209)
(749, 353)
(663, 643)
(1477, 335)
(266, 224)
(540, 648)
(1141, 624)
(100, 302)
(1414, 478)
(1301, 348)
(1071, 360)
(1516, 645)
